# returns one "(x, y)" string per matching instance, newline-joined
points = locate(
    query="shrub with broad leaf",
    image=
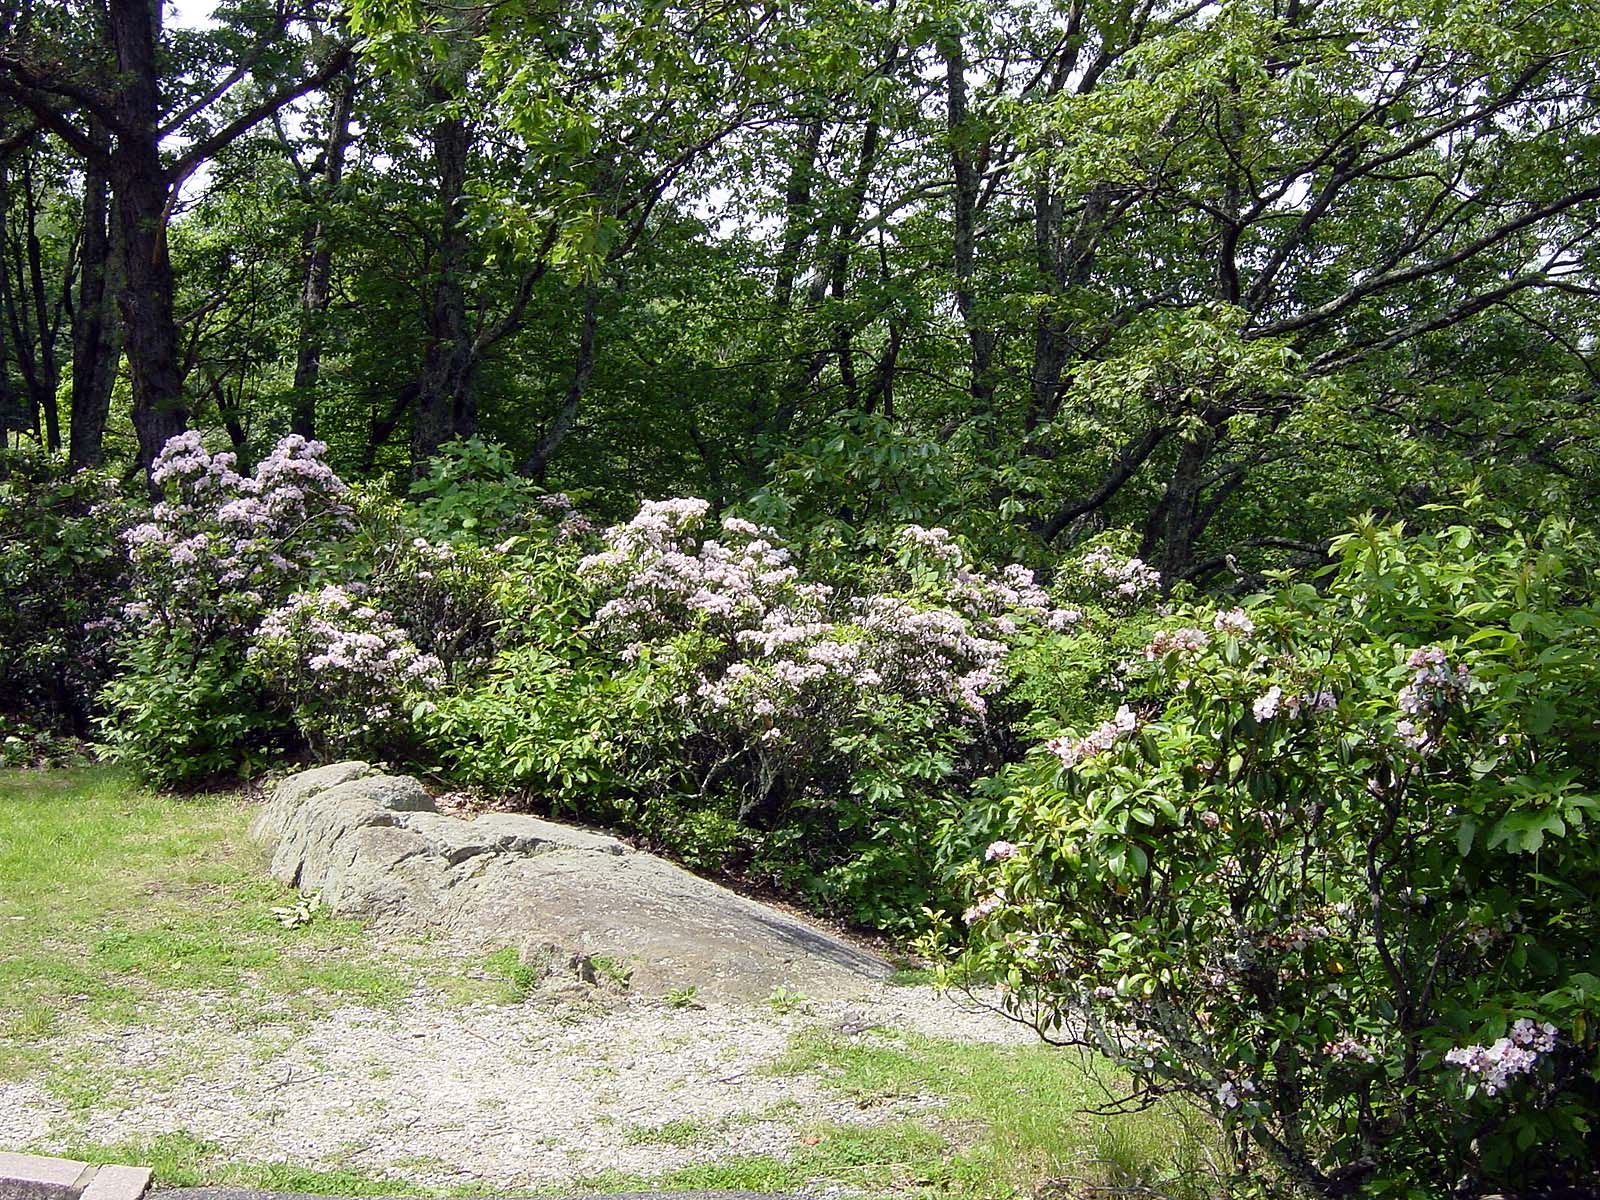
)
(62, 572)
(689, 681)
(1331, 869)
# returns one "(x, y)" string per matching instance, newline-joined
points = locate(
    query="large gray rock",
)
(289, 795)
(375, 846)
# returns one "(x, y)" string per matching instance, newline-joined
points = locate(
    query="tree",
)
(105, 79)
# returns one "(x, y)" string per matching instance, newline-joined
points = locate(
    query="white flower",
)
(1266, 705)
(1234, 621)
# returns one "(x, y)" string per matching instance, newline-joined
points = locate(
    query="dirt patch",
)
(520, 1097)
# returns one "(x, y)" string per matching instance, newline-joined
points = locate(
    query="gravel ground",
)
(520, 1097)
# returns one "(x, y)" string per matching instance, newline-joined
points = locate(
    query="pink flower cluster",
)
(571, 524)
(1233, 622)
(1349, 1049)
(984, 908)
(936, 542)
(1004, 600)
(931, 653)
(1123, 578)
(1517, 1054)
(1072, 751)
(661, 583)
(1185, 642)
(221, 546)
(797, 656)
(345, 665)
(1231, 1094)
(1433, 689)
(1273, 701)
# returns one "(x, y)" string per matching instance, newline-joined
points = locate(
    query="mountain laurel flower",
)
(984, 908)
(1348, 1049)
(1231, 1094)
(1498, 1063)
(936, 541)
(1433, 689)
(1234, 622)
(1187, 642)
(341, 663)
(999, 851)
(1073, 751)
(1126, 578)
(220, 546)
(1266, 705)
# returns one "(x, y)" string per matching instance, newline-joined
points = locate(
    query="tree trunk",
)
(96, 334)
(1063, 264)
(28, 309)
(142, 191)
(539, 460)
(316, 288)
(46, 325)
(1175, 524)
(798, 218)
(446, 406)
(964, 161)
(844, 241)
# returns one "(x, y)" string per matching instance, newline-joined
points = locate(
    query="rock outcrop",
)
(375, 846)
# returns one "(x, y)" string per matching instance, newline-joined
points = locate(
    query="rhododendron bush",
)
(1328, 865)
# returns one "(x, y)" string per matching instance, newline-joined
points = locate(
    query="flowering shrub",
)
(220, 550)
(833, 717)
(1332, 870)
(345, 669)
(1108, 578)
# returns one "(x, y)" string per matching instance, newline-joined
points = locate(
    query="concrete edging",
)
(34, 1177)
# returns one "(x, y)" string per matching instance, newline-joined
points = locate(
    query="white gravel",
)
(533, 1095)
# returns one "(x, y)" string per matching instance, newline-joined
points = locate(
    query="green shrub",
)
(181, 714)
(62, 571)
(1332, 869)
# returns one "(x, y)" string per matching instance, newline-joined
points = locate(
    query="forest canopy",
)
(1221, 274)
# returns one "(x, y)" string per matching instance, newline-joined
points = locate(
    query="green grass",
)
(1012, 1122)
(183, 1160)
(119, 907)
(679, 1132)
(876, 1159)
(1016, 1117)
(520, 977)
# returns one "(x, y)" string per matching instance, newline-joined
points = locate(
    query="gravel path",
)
(531, 1096)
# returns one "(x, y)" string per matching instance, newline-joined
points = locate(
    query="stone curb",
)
(32, 1177)
(204, 1193)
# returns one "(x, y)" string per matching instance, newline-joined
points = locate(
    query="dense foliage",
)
(61, 576)
(1331, 868)
(1098, 485)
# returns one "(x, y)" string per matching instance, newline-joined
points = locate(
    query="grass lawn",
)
(1013, 1123)
(118, 905)
(122, 908)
